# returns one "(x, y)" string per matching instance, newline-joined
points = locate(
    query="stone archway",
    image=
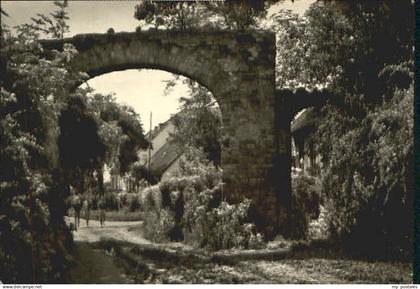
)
(239, 69)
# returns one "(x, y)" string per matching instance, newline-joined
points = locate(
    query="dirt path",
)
(96, 267)
(122, 231)
(148, 262)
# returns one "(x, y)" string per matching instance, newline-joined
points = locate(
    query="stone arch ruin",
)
(239, 69)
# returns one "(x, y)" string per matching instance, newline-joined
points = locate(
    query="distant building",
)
(165, 158)
(303, 152)
(165, 155)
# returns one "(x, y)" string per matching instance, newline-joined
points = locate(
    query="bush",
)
(34, 240)
(305, 204)
(368, 178)
(189, 207)
(158, 224)
(133, 201)
(111, 201)
(225, 228)
(306, 191)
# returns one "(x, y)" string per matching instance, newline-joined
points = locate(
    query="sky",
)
(141, 89)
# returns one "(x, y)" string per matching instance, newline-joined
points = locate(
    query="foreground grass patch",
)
(154, 263)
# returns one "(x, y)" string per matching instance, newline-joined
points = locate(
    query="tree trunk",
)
(101, 187)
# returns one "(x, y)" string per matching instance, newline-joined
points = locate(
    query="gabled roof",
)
(305, 121)
(168, 153)
(164, 157)
(157, 129)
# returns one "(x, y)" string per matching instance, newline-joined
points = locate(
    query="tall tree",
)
(121, 130)
(53, 25)
(32, 200)
(179, 15)
(81, 149)
(199, 122)
(187, 15)
(340, 45)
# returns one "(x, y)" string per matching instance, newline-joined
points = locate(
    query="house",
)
(165, 155)
(303, 152)
(165, 158)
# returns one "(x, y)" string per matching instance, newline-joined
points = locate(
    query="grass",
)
(354, 271)
(152, 264)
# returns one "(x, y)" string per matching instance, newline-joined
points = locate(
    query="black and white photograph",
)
(209, 142)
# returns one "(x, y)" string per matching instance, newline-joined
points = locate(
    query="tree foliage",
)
(49, 140)
(34, 240)
(239, 15)
(181, 15)
(190, 15)
(53, 25)
(121, 130)
(199, 123)
(81, 149)
(366, 173)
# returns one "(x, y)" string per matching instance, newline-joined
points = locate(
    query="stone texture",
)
(238, 68)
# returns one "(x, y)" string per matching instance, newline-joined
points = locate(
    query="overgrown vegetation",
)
(190, 207)
(305, 204)
(192, 15)
(339, 46)
(371, 204)
(52, 143)
(34, 240)
(365, 132)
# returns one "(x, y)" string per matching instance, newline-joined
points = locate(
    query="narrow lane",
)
(96, 267)
(118, 254)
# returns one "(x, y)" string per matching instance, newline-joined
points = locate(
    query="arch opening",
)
(176, 113)
(238, 70)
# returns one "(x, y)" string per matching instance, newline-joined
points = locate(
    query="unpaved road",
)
(122, 231)
(96, 267)
(99, 266)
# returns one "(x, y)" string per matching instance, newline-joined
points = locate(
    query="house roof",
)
(164, 157)
(158, 129)
(164, 153)
(305, 121)
(168, 153)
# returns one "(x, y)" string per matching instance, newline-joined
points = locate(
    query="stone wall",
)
(239, 69)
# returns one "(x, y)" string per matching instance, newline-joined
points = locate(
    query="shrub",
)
(158, 220)
(123, 199)
(225, 228)
(189, 207)
(368, 178)
(111, 202)
(134, 203)
(318, 229)
(306, 193)
(158, 224)
(305, 204)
